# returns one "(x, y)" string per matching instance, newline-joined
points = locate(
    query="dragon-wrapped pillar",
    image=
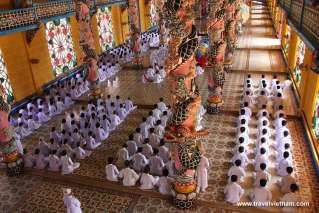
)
(134, 27)
(186, 149)
(216, 56)
(230, 34)
(8, 145)
(87, 44)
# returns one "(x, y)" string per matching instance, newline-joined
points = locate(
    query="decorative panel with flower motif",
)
(5, 85)
(104, 21)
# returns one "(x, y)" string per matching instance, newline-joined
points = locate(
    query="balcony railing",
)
(305, 19)
(28, 18)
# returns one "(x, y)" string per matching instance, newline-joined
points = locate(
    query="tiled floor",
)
(42, 191)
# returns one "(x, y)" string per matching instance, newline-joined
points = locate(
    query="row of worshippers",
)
(155, 74)
(149, 40)
(80, 134)
(121, 54)
(59, 98)
(283, 164)
(262, 92)
(108, 69)
(145, 156)
(152, 157)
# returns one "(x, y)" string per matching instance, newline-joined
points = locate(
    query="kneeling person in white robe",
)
(202, 177)
(72, 204)
(129, 175)
(67, 164)
(111, 171)
(233, 191)
(147, 181)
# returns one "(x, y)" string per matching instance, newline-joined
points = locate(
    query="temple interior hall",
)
(159, 106)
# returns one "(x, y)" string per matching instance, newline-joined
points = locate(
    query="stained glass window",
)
(6, 89)
(153, 13)
(287, 41)
(315, 119)
(58, 33)
(300, 56)
(104, 23)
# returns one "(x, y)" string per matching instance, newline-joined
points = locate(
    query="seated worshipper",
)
(59, 105)
(67, 164)
(52, 108)
(278, 121)
(151, 119)
(243, 132)
(129, 105)
(144, 126)
(157, 77)
(261, 193)
(281, 129)
(156, 112)
(23, 132)
(147, 180)
(261, 174)
(156, 163)
(283, 164)
(263, 112)
(72, 204)
(277, 101)
(122, 156)
(242, 116)
(248, 98)
(262, 142)
(233, 191)
(279, 111)
(286, 181)
(117, 102)
(265, 89)
(147, 148)
(241, 142)
(263, 123)
(202, 176)
(54, 161)
(291, 197)
(43, 147)
(164, 118)
(131, 145)
(40, 160)
(263, 133)
(159, 129)
(161, 105)
(261, 157)
(139, 160)
(241, 155)
(237, 170)
(261, 99)
(91, 143)
(121, 112)
(154, 138)
(68, 102)
(164, 183)
(138, 138)
(42, 117)
(280, 152)
(115, 120)
(111, 171)
(66, 147)
(53, 145)
(28, 159)
(163, 151)
(101, 135)
(129, 175)
(81, 153)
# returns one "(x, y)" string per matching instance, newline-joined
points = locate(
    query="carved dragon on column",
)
(134, 27)
(216, 55)
(186, 149)
(87, 44)
(8, 145)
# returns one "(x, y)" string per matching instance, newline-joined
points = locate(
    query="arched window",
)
(104, 23)
(58, 33)
(6, 89)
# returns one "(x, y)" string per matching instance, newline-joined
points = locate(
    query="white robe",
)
(139, 162)
(40, 161)
(154, 140)
(138, 139)
(238, 171)
(165, 185)
(156, 165)
(144, 129)
(129, 176)
(131, 147)
(42, 117)
(233, 192)
(29, 160)
(202, 176)
(260, 194)
(81, 153)
(282, 167)
(67, 165)
(147, 150)
(285, 183)
(148, 181)
(112, 173)
(72, 204)
(261, 175)
(122, 155)
(92, 144)
(54, 163)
